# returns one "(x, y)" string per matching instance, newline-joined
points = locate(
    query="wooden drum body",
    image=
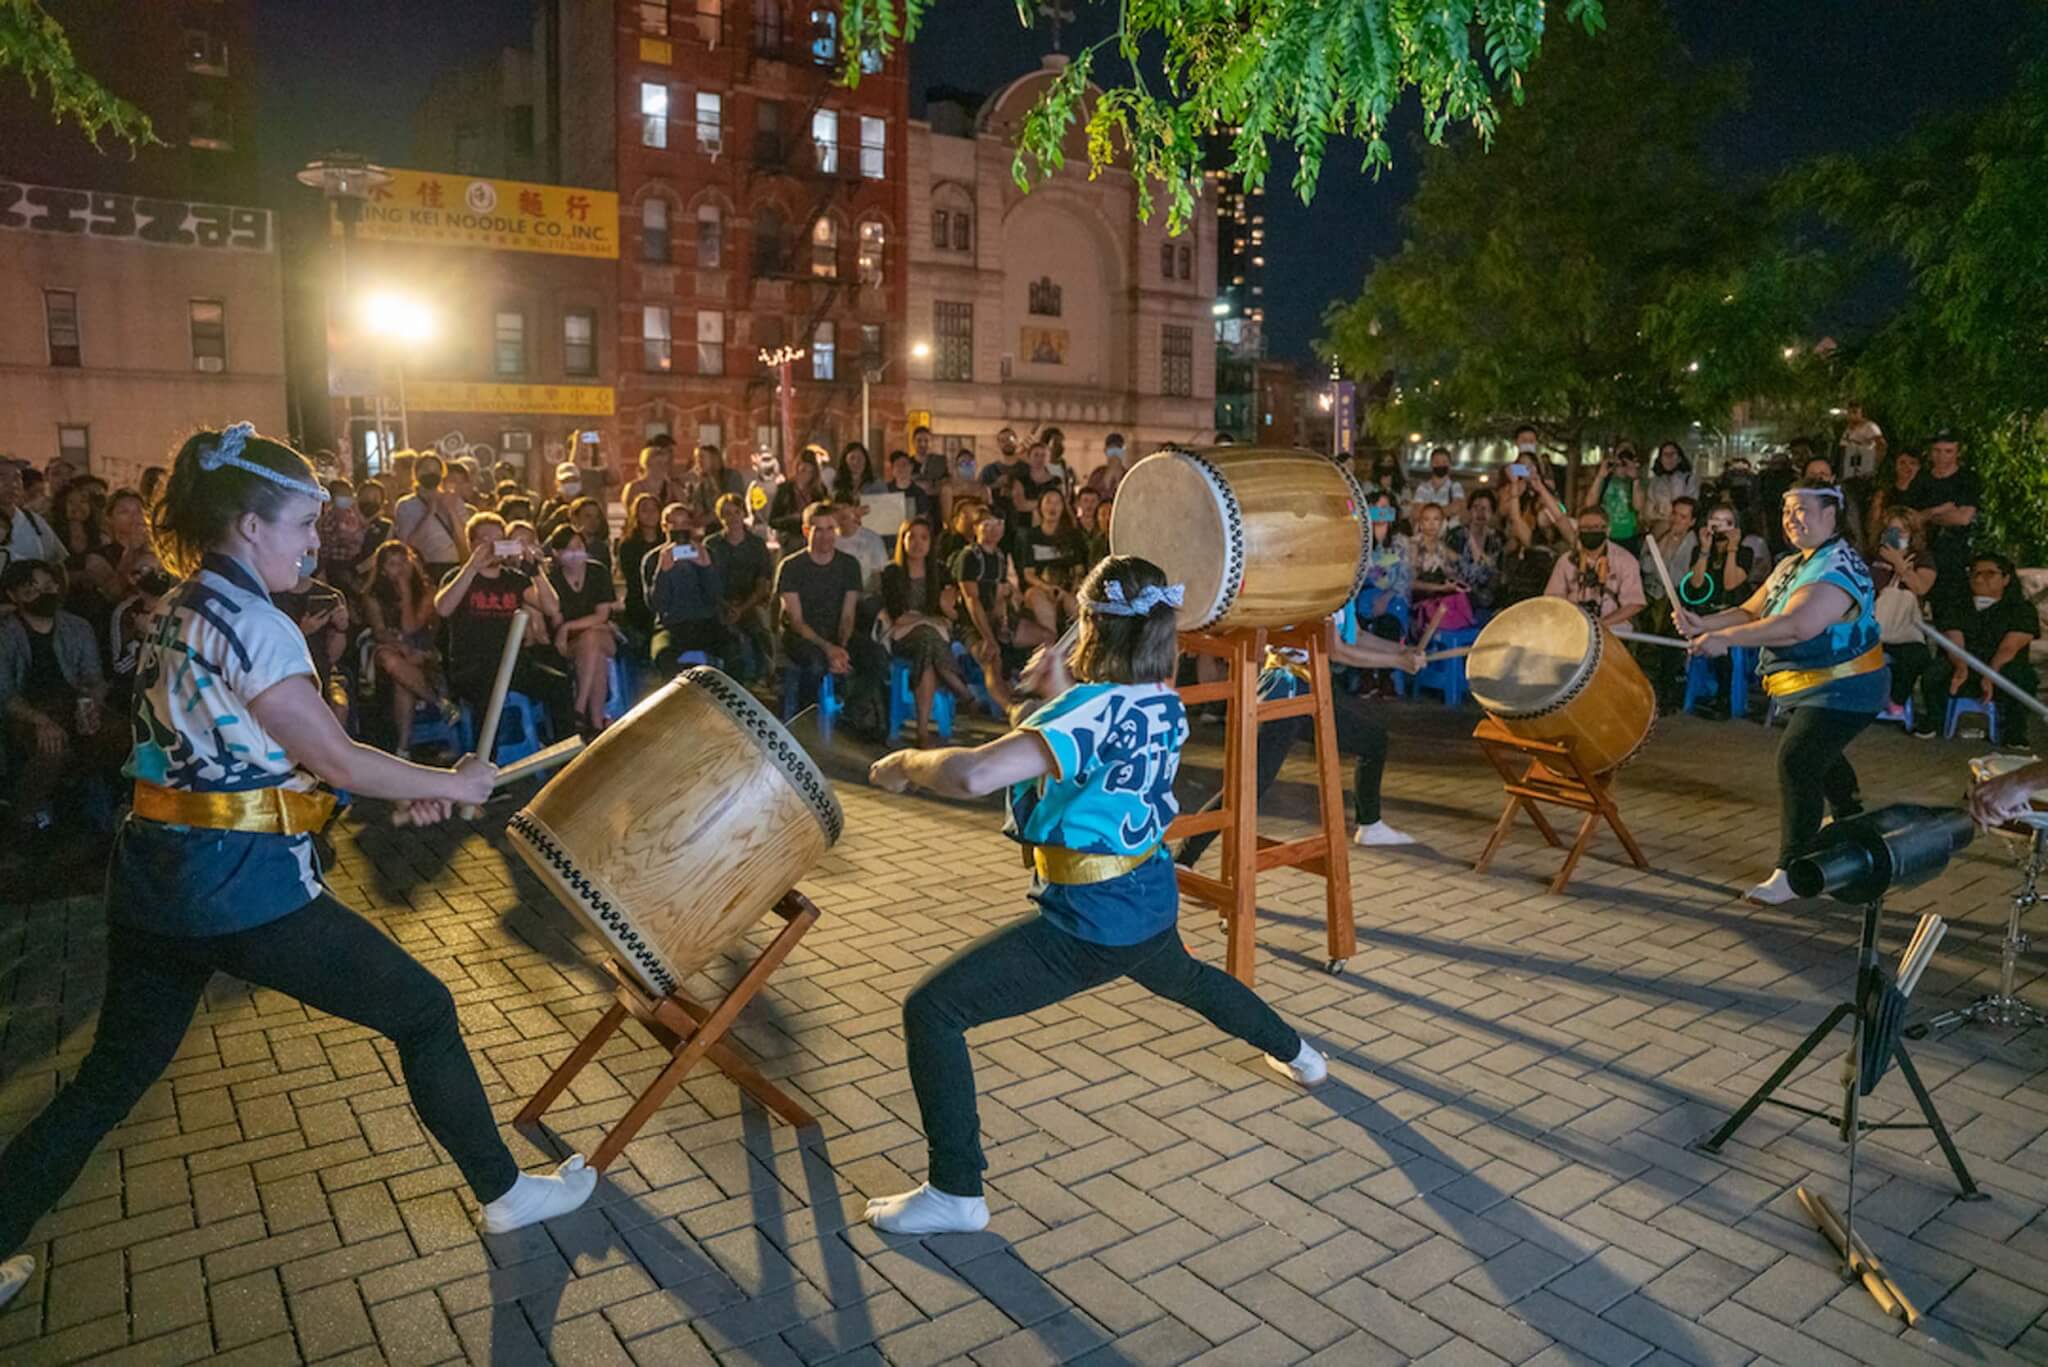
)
(1546, 671)
(680, 826)
(1261, 536)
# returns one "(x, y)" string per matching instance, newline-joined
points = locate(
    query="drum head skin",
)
(1532, 657)
(1170, 511)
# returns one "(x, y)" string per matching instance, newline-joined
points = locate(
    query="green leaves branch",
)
(34, 42)
(1242, 73)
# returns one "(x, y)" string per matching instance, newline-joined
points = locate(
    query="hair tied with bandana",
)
(1114, 604)
(226, 450)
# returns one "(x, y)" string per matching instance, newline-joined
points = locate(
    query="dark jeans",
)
(1935, 692)
(553, 687)
(1358, 735)
(1813, 774)
(37, 776)
(870, 663)
(1024, 967)
(323, 955)
(673, 638)
(1908, 662)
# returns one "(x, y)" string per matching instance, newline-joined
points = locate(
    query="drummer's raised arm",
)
(962, 771)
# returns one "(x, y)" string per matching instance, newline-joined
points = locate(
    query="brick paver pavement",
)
(1496, 1173)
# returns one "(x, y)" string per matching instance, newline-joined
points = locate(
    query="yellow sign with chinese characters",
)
(460, 396)
(506, 215)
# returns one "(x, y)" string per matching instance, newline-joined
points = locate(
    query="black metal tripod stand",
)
(1862, 1011)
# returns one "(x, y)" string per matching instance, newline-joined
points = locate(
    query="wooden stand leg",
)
(691, 1034)
(1336, 860)
(1241, 837)
(1553, 774)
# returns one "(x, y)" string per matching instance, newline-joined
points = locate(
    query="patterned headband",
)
(1831, 494)
(227, 450)
(1114, 605)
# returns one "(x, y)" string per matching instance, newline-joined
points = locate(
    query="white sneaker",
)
(1380, 833)
(14, 1275)
(1772, 891)
(1308, 1068)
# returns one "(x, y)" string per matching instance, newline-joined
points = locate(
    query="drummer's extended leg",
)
(1812, 773)
(1019, 968)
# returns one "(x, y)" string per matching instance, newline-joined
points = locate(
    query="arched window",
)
(825, 247)
(873, 241)
(654, 244)
(710, 237)
(768, 243)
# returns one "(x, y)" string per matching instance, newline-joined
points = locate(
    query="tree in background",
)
(1247, 71)
(1523, 290)
(31, 40)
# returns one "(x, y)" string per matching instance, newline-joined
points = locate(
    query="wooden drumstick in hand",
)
(487, 734)
(1664, 576)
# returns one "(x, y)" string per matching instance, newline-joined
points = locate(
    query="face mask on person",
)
(569, 488)
(44, 604)
(1440, 471)
(1527, 448)
(967, 469)
(1113, 452)
(428, 479)
(342, 503)
(309, 564)
(573, 555)
(1895, 538)
(1592, 541)
(1983, 601)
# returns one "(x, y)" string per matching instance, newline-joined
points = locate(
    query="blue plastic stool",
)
(903, 702)
(618, 697)
(977, 679)
(429, 727)
(522, 729)
(829, 706)
(1904, 717)
(1700, 683)
(1445, 678)
(1958, 708)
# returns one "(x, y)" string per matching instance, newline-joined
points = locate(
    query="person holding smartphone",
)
(478, 601)
(686, 593)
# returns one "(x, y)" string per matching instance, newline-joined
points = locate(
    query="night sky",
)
(1825, 75)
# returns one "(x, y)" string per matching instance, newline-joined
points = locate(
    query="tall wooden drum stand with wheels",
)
(1246, 853)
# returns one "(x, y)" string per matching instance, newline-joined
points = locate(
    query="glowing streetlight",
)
(920, 351)
(1221, 308)
(403, 320)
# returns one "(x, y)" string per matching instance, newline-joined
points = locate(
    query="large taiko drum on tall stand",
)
(1546, 671)
(1261, 536)
(680, 826)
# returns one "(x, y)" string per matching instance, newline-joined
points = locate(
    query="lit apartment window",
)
(654, 244)
(824, 36)
(654, 114)
(873, 239)
(710, 20)
(953, 326)
(60, 325)
(710, 342)
(825, 137)
(824, 350)
(874, 144)
(1177, 361)
(710, 123)
(74, 445)
(657, 345)
(509, 343)
(205, 53)
(209, 319)
(654, 18)
(825, 247)
(710, 236)
(579, 342)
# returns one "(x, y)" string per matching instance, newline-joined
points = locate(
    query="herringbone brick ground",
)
(1497, 1172)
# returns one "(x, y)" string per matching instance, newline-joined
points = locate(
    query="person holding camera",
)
(478, 601)
(747, 575)
(1622, 493)
(431, 518)
(1718, 573)
(685, 592)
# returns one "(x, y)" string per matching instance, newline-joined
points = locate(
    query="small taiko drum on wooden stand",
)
(1261, 536)
(683, 825)
(1545, 671)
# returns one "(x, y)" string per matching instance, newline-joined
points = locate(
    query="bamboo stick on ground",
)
(1823, 1216)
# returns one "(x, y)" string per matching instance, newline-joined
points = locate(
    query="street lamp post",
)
(871, 375)
(404, 322)
(346, 181)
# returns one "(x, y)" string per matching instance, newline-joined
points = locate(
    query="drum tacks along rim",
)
(1232, 580)
(539, 844)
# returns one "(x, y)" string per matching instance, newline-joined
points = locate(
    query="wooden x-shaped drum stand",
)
(690, 1034)
(1552, 773)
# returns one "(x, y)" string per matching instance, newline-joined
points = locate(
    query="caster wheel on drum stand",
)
(1334, 967)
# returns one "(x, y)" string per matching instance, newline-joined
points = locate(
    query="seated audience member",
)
(583, 633)
(854, 474)
(1004, 465)
(24, 533)
(341, 530)
(398, 606)
(643, 533)
(866, 547)
(1902, 572)
(1997, 625)
(1478, 547)
(747, 575)
(1537, 527)
(656, 477)
(586, 517)
(478, 601)
(1600, 577)
(1438, 489)
(918, 600)
(430, 519)
(323, 616)
(52, 694)
(735, 468)
(819, 588)
(1105, 478)
(792, 497)
(1384, 593)
(965, 483)
(1622, 494)
(1671, 478)
(933, 468)
(961, 522)
(1027, 485)
(686, 593)
(903, 480)
(569, 487)
(371, 506)
(81, 513)
(1902, 485)
(989, 604)
(1051, 559)
(1435, 592)
(1093, 527)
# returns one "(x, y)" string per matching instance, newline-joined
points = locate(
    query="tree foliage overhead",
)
(1531, 268)
(34, 42)
(1251, 71)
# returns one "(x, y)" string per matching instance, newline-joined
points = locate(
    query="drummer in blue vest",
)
(215, 870)
(1823, 665)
